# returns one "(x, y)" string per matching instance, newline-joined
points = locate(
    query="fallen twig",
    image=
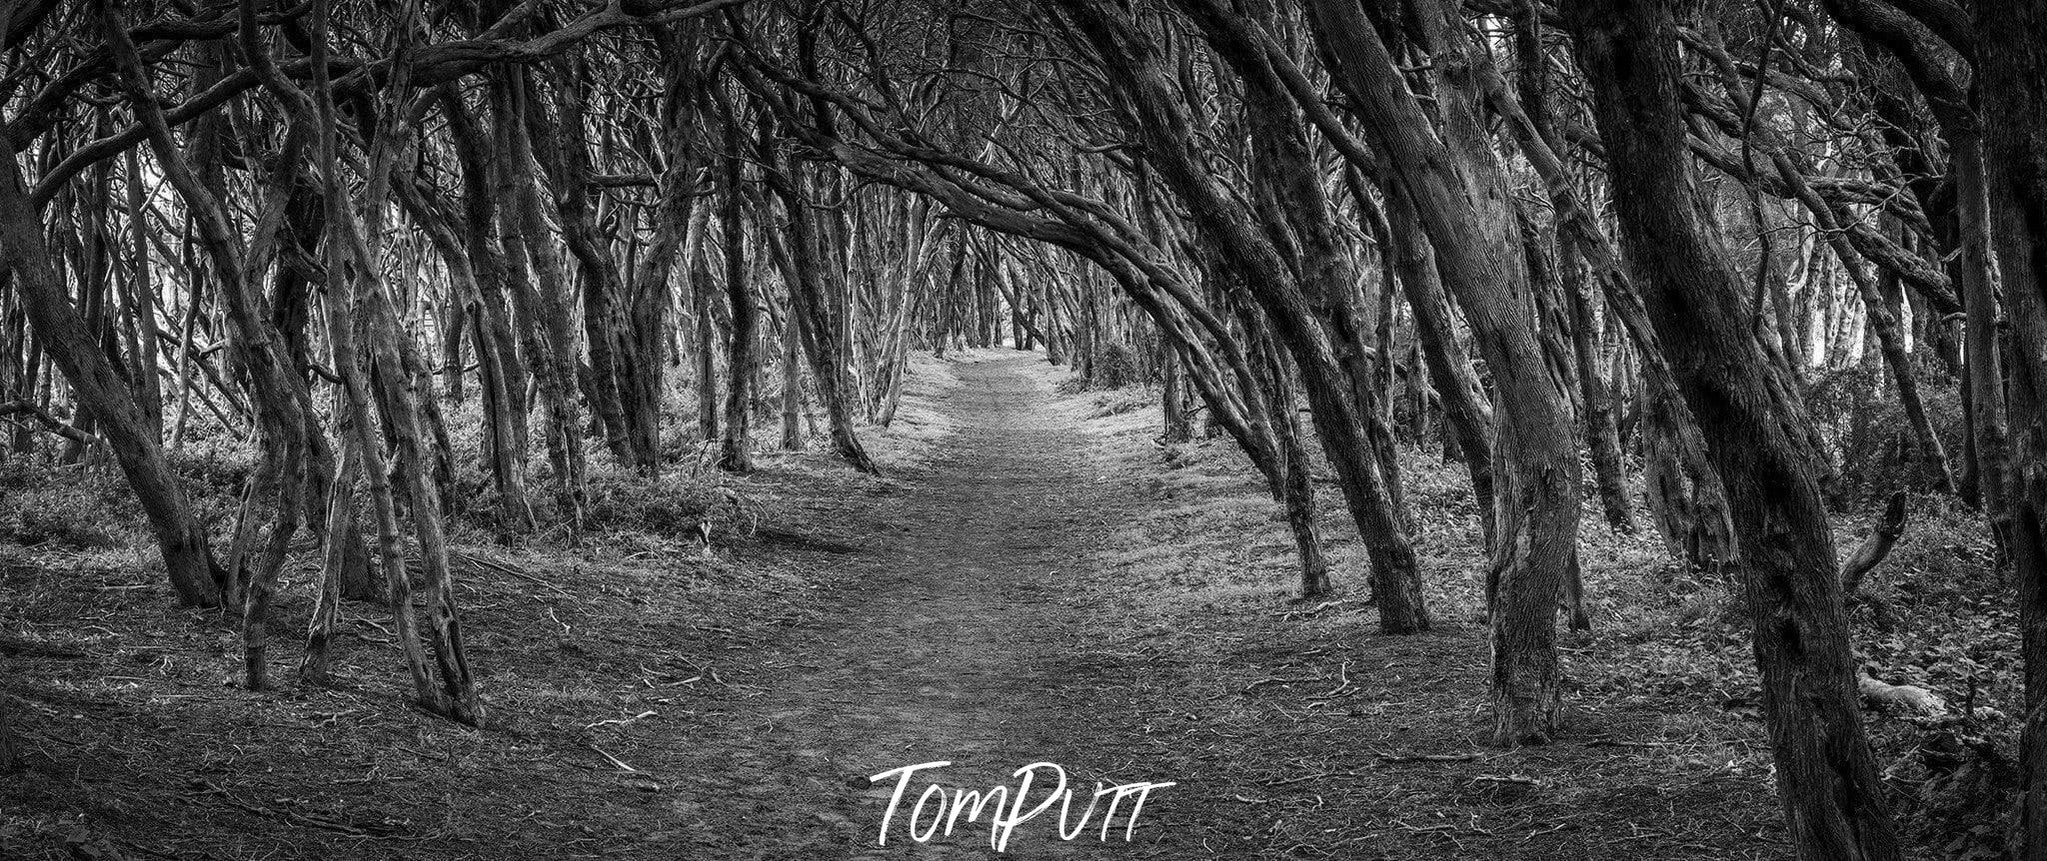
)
(1428, 757)
(1343, 684)
(1302, 614)
(506, 569)
(1272, 681)
(1307, 777)
(622, 766)
(286, 815)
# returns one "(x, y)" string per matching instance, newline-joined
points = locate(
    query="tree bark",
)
(1826, 774)
(808, 298)
(62, 335)
(279, 396)
(534, 278)
(1457, 187)
(2011, 65)
(559, 146)
(742, 359)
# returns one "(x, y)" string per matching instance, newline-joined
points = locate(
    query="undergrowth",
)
(1667, 665)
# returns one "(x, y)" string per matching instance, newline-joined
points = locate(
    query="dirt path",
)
(949, 641)
(983, 620)
(1034, 592)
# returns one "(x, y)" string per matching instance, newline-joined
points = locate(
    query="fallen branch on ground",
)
(1910, 697)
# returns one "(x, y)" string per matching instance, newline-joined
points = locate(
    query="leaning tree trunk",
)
(2012, 63)
(742, 358)
(278, 395)
(1602, 434)
(534, 278)
(494, 267)
(1295, 485)
(1457, 187)
(477, 274)
(563, 153)
(383, 363)
(808, 296)
(1245, 252)
(100, 387)
(1826, 775)
(1465, 409)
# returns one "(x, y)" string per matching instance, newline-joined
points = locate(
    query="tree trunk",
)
(1457, 187)
(1172, 403)
(1246, 253)
(62, 335)
(1826, 775)
(809, 305)
(279, 395)
(1465, 410)
(742, 359)
(534, 278)
(1602, 432)
(2012, 63)
(563, 154)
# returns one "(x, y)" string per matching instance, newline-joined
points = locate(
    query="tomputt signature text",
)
(939, 810)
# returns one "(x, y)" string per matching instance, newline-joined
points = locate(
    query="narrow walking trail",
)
(952, 640)
(979, 613)
(1045, 585)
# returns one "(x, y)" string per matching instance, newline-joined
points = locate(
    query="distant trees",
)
(1223, 151)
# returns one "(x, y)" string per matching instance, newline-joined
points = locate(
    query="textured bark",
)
(477, 274)
(534, 278)
(1177, 428)
(1826, 775)
(1871, 552)
(1247, 253)
(62, 335)
(792, 386)
(1466, 412)
(558, 146)
(1458, 190)
(742, 357)
(1534, 122)
(315, 666)
(278, 394)
(811, 304)
(1294, 483)
(384, 359)
(2012, 63)
(1602, 431)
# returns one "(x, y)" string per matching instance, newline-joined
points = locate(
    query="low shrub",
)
(67, 516)
(667, 505)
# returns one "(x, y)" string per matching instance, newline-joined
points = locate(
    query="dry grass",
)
(1297, 730)
(1331, 741)
(1664, 754)
(138, 742)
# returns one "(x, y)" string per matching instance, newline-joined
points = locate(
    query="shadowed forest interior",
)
(1414, 429)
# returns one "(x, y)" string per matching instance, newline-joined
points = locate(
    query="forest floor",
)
(1037, 580)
